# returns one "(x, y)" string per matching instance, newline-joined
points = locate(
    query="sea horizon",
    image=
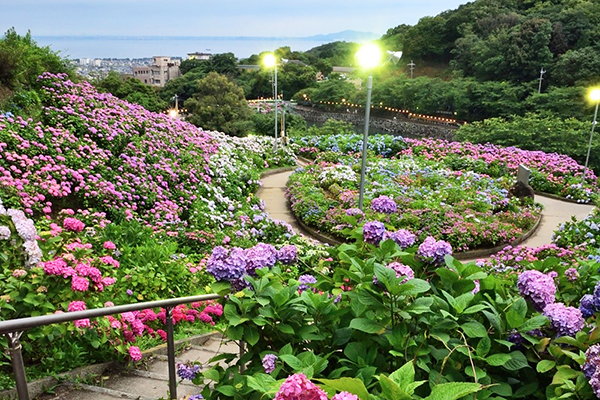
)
(142, 46)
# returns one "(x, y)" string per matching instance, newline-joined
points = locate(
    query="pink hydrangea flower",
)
(79, 284)
(109, 245)
(135, 353)
(73, 224)
(297, 386)
(345, 396)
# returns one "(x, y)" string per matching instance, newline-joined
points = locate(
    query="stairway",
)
(150, 379)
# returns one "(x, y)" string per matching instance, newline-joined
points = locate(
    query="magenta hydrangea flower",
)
(297, 387)
(73, 224)
(565, 321)
(135, 353)
(537, 287)
(373, 232)
(79, 284)
(384, 204)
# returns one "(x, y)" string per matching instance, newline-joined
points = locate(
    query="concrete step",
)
(148, 381)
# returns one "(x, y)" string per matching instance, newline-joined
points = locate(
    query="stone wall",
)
(399, 126)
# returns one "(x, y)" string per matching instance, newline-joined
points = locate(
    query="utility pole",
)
(412, 67)
(542, 72)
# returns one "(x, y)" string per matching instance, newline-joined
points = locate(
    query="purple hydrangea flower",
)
(226, 266)
(196, 397)
(402, 237)
(402, 271)
(384, 204)
(592, 361)
(597, 296)
(537, 287)
(571, 274)
(288, 254)
(260, 256)
(268, 363)
(373, 232)
(305, 280)
(354, 212)
(586, 305)
(188, 371)
(434, 250)
(5, 232)
(565, 321)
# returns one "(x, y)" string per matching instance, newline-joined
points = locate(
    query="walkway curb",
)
(559, 198)
(39, 386)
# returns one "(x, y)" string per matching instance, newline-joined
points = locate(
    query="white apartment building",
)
(162, 70)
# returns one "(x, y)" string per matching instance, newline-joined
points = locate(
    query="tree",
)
(579, 66)
(193, 64)
(132, 90)
(219, 104)
(184, 86)
(22, 61)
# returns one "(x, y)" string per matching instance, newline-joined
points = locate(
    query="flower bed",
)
(550, 173)
(467, 209)
(101, 200)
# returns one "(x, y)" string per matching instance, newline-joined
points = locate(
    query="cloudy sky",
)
(213, 18)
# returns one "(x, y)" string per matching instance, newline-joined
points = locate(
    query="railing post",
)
(16, 358)
(171, 354)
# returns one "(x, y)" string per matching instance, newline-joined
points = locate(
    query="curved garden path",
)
(555, 211)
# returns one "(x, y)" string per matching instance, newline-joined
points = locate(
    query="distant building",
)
(162, 70)
(199, 56)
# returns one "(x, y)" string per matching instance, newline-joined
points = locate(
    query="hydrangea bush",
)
(384, 320)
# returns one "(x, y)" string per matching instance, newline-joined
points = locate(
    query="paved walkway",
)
(555, 212)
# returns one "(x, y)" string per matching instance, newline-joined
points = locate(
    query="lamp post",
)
(594, 96)
(269, 62)
(368, 57)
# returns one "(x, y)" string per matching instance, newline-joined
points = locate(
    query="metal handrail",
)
(13, 329)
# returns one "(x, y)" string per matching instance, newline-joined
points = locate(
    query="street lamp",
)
(368, 57)
(594, 96)
(269, 62)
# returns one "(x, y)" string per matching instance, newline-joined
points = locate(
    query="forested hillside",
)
(509, 40)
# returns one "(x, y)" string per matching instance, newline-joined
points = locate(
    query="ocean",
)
(144, 47)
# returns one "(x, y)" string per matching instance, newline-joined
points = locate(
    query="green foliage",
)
(132, 90)
(417, 339)
(219, 104)
(22, 61)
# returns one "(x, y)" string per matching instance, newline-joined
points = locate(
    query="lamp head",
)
(369, 55)
(595, 95)
(269, 60)
(394, 56)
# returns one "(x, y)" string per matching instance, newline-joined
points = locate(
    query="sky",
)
(283, 18)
